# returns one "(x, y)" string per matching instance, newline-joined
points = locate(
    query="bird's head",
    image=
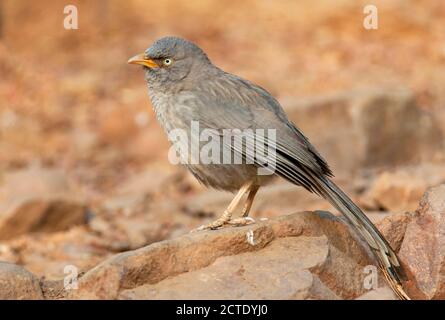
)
(169, 60)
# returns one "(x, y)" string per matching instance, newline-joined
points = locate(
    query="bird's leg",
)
(249, 201)
(245, 219)
(227, 215)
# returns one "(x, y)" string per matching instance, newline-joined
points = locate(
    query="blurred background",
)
(83, 163)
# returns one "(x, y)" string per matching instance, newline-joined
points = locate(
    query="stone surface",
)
(372, 128)
(16, 283)
(393, 228)
(423, 247)
(322, 260)
(279, 271)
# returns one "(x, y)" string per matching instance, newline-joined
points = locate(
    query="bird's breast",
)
(172, 110)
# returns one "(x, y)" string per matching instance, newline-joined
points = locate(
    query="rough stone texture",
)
(281, 271)
(16, 283)
(423, 248)
(372, 128)
(393, 228)
(322, 260)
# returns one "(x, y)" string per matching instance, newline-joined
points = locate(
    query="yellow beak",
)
(142, 60)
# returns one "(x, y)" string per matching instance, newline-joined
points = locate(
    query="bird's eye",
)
(167, 62)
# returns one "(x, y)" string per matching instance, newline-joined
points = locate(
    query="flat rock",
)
(313, 251)
(282, 271)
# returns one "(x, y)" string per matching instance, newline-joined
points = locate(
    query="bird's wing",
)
(236, 103)
(233, 103)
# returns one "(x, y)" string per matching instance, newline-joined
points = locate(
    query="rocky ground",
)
(87, 192)
(135, 243)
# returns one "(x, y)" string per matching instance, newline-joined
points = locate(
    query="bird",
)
(185, 87)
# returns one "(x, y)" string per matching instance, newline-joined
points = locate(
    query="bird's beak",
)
(142, 60)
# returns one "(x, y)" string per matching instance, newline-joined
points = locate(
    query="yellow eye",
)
(167, 62)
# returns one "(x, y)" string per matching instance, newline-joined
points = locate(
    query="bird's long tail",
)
(387, 258)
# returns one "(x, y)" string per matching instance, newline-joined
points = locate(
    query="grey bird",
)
(185, 86)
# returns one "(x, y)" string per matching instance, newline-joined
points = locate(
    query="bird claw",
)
(244, 221)
(217, 224)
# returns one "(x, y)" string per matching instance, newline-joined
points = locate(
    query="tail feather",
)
(387, 258)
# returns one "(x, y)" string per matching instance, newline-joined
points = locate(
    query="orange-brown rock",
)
(400, 190)
(16, 283)
(300, 256)
(38, 200)
(423, 247)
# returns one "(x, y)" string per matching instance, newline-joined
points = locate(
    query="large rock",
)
(366, 128)
(423, 247)
(38, 200)
(16, 283)
(282, 271)
(300, 256)
(400, 190)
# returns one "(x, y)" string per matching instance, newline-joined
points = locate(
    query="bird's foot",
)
(243, 221)
(223, 222)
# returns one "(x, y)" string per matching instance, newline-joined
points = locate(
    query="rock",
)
(35, 215)
(313, 251)
(38, 200)
(423, 247)
(282, 271)
(400, 190)
(397, 192)
(137, 214)
(131, 231)
(393, 228)
(48, 254)
(384, 293)
(16, 283)
(366, 128)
